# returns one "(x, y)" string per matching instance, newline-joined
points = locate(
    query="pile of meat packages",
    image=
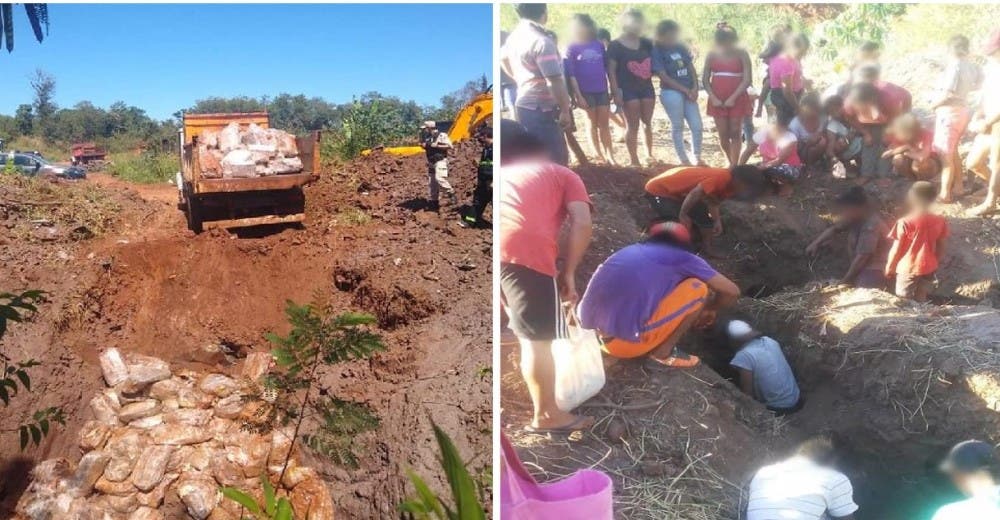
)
(252, 152)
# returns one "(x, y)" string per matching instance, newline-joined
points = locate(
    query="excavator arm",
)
(468, 119)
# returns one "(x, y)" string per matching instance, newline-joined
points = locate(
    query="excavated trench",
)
(892, 463)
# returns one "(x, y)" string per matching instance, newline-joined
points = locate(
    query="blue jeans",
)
(508, 96)
(545, 126)
(679, 109)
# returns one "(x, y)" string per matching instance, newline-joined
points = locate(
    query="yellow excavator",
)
(477, 112)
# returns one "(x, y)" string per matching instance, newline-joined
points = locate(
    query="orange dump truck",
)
(212, 201)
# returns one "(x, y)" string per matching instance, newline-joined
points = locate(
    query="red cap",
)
(675, 229)
(993, 43)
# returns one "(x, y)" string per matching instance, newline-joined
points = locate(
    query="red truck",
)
(85, 153)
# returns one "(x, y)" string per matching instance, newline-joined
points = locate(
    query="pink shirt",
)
(770, 149)
(783, 66)
(533, 201)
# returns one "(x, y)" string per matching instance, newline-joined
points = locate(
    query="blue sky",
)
(162, 58)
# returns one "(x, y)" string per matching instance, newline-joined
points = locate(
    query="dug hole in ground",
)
(898, 382)
(121, 271)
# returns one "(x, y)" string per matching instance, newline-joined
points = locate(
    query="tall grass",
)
(143, 168)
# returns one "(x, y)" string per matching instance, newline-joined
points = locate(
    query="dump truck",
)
(475, 113)
(240, 202)
(83, 154)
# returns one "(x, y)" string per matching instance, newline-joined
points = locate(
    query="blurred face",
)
(668, 38)
(776, 130)
(633, 26)
(852, 214)
(809, 116)
(835, 111)
(580, 32)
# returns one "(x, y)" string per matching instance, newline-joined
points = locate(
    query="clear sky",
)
(162, 58)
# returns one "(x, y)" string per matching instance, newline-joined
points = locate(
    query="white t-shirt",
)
(987, 506)
(798, 489)
(802, 132)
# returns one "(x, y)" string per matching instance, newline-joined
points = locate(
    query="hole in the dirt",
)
(896, 488)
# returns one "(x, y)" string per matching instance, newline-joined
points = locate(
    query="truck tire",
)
(193, 212)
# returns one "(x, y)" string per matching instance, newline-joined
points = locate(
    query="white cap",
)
(429, 124)
(738, 329)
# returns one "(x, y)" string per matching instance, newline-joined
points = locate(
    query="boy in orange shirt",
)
(918, 244)
(692, 195)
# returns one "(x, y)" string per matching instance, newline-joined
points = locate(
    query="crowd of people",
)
(645, 298)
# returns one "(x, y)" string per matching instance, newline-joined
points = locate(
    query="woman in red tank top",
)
(726, 77)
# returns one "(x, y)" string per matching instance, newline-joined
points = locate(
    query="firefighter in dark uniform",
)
(483, 194)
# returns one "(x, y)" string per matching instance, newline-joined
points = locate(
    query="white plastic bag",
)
(579, 366)
(839, 171)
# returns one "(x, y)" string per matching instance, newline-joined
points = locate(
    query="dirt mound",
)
(203, 302)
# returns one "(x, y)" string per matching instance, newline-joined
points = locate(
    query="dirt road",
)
(121, 270)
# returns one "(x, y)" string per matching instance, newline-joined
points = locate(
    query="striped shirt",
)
(533, 57)
(799, 489)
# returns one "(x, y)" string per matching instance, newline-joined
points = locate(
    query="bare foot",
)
(982, 209)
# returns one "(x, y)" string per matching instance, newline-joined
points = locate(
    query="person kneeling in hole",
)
(867, 239)
(974, 469)
(805, 486)
(764, 371)
(644, 298)
(693, 195)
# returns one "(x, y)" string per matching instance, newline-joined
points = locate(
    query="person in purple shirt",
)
(645, 297)
(588, 81)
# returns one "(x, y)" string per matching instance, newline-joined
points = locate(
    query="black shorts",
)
(531, 301)
(597, 99)
(670, 209)
(644, 92)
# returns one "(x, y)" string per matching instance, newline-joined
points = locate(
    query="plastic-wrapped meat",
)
(209, 138)
(255, 135)
(286, 143)
(239, 163)
(229, 138)
(286, 165)
(210, 162)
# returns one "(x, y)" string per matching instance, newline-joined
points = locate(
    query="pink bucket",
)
(585, 495)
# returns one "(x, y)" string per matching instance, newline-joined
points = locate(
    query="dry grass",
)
(82, 210)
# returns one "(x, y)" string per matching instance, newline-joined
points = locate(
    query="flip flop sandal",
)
(678, 359)
(578, 424)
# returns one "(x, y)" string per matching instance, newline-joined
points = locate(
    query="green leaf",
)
(428, 499)
(25, 380)
(44, 425)
(23, 432)
(36, 434)
(242, 499)
(284, 511)
(463, 488)
(4, 396)
(269, 497)
(283, 357)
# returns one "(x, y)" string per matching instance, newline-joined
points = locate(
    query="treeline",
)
(369, 120)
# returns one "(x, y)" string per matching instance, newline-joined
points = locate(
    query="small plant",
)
(293, 393)
(15, 378)
(353, 217)
(273, 508)
(427, 505)
(8, 166)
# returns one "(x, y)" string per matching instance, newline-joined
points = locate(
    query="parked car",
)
(34, 165)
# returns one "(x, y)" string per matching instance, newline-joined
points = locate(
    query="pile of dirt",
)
(203, 302)
(163, 443)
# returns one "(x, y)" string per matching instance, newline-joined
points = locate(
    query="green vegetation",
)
(273, 508)
(465, 495)
(834, 29)
(293, 391)
(15, 379)
(365, 122)
(145, 167)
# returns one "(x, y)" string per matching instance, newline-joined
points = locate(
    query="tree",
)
(293, 391)
(14, 308)
(44, 104)
(38, 15)
(452, 102)
(25, 119)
